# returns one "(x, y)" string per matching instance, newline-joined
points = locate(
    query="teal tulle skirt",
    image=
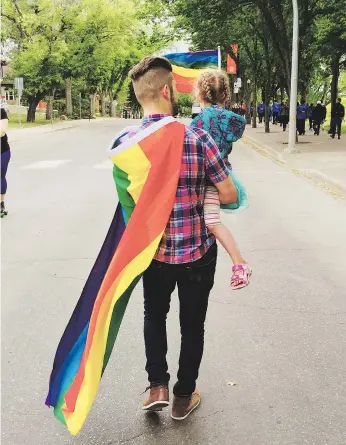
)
(242, 201)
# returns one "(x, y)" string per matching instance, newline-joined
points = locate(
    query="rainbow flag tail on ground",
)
(187, 67)
(146, 173)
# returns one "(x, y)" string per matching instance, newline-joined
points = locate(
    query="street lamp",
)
(292, 131)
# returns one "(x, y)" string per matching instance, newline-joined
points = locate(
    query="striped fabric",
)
(212, 206)
(146, 173)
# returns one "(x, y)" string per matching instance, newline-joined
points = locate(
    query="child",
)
(225, 127)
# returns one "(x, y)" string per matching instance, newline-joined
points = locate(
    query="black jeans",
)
(195, 281)
(336, 126)
(301, 126)
(317, 127)
(260, 117)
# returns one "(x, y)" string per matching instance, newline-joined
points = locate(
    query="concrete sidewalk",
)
(320, 158)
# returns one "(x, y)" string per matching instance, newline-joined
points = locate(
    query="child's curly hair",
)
(213, 87)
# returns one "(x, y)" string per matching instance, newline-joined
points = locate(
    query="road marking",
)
(107, 165)
(46, 164)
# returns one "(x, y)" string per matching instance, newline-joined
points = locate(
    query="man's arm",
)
(228, 193)
(218, 173)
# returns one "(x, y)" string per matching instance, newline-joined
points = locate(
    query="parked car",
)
(4, 105)
(196, 109)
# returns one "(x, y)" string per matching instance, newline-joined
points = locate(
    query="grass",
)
(14, 121)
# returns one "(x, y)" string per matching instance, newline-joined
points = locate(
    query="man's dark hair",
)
(147, 64)
(149, 76)
(339, 99)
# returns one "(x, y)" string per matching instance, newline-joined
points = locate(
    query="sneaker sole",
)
(187, 415)
(155, 406)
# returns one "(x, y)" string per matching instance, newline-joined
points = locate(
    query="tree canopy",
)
(89, 43)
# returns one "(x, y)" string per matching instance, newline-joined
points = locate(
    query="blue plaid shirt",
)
(186, 238)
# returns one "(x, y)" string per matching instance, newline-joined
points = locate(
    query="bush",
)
(60, 106)
(85, 108)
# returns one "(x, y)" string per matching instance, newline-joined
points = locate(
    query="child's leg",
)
(213, 222)
(227, 240)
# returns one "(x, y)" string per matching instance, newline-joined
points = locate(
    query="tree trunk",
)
(68, 87)
(33, 101)
(266, 104)
(92, 104)
(335, 79)
(111, 108)
(254, 112)
(103, 103)
(49, 109)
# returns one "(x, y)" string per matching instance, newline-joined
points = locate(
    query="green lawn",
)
(14, 120)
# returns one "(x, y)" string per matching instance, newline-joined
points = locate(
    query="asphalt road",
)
(281, 340)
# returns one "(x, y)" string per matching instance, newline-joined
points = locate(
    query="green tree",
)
(331, 39)
(39, 51)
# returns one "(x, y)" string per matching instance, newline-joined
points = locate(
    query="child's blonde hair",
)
(213, 87)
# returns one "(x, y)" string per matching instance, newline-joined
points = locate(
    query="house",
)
(6, 82)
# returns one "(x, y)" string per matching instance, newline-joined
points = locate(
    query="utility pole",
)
(292, 130)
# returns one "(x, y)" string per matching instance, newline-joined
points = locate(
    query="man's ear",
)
(165, 92)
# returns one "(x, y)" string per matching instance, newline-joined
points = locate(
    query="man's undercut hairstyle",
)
(149, 76)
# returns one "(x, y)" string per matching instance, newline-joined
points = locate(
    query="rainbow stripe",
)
(188, 66)
(146, 173)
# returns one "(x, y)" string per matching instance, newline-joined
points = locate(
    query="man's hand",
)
(227, 191)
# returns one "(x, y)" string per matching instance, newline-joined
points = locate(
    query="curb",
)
(265, 150)
(328, 184)
(331, 186)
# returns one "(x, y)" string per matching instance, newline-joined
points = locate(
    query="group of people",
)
(277, 113)
(239, 108)
(316, 114)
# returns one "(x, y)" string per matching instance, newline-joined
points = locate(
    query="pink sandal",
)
(241, 276)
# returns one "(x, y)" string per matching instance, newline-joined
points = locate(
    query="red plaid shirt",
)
(186, 237)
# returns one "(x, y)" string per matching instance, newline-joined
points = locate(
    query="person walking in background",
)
(338, 114)
(302, 114)
(310, 109)
(317, 118)
(270, 112)
(284, 114)
(260, 111)
(5, 159)
(324, 111)
(276, 112)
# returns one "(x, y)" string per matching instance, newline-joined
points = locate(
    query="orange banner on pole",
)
(231, 63)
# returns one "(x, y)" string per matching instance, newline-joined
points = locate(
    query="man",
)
(260, 111)
(302, 114)
(317, 117)
(187, 253)
(276, 112)
(338, 114)
(284, 114)
(310, 110)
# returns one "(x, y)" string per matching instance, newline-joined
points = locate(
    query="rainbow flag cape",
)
(146, 172)
(187, 67)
